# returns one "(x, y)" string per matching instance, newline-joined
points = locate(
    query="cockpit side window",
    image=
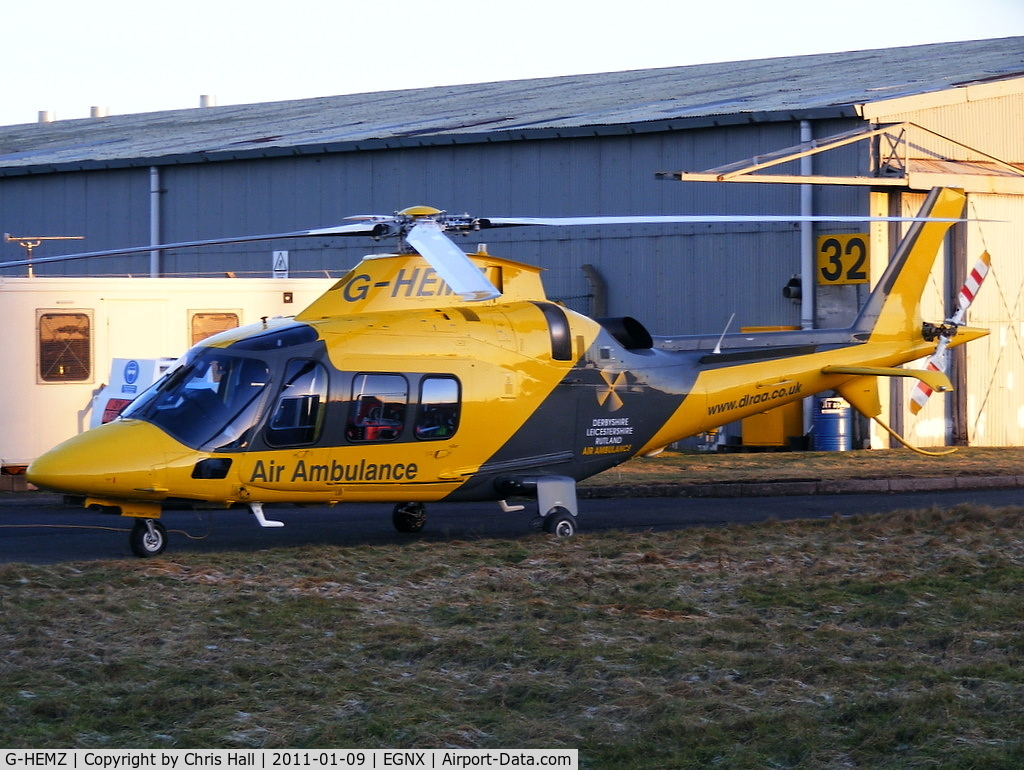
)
(298, 413)
(379, 403)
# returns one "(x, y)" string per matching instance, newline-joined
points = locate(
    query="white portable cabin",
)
(61, 334)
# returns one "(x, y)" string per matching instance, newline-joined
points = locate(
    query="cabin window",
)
(65, 346)
(438, 414)
(378, 407)
(205, 324)
(299, 411)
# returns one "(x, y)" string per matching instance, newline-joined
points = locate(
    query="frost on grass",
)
(878, 641)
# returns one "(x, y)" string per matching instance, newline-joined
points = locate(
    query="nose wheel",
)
(148, 538)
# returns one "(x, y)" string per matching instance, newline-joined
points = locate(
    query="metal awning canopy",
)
(892, 158)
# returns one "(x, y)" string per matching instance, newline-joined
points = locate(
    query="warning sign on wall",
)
(280, 264)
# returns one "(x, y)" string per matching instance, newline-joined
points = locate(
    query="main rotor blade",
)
(372, 225)
(692, 219)
(361, 228)
(450, 262)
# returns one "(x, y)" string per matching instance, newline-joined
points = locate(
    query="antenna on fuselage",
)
(718, 345)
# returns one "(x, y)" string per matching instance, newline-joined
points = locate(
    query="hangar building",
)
(864, 132)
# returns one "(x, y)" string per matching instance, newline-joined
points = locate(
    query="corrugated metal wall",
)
(991, 369)
(681, 279)
(995, 365)
(992, 399)
(980, 123)
(108, 208)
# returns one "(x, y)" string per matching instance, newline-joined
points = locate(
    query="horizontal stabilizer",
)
(933, 379)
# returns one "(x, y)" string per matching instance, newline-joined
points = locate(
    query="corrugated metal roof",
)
(805, 86)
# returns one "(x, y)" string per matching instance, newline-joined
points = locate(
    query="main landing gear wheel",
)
(409, 517)
(148, 538)
(560, 523)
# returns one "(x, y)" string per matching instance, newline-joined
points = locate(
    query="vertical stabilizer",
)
(893, 311)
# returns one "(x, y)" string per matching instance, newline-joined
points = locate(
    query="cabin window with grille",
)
(65, 346)
(378, 407)
(206, 324)
(437, 417)
(299, 411)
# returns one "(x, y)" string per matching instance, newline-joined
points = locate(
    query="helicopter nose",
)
(126, 458)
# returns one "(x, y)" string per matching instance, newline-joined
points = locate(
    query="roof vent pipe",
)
(47, 116)
(99, 112)
(207, 100)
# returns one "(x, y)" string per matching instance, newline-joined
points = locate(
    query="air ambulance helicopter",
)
(432, 375)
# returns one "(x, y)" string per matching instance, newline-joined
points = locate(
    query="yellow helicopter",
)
(431, 375)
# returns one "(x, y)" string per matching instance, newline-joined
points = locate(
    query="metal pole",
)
(808, 296)
(154, 221)
(807, 271)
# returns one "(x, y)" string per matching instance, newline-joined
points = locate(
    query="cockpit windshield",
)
(211, 401)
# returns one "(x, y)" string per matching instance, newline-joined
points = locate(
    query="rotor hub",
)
(932, 332)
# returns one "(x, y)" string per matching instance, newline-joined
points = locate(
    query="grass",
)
(874, 642)
(698, 467)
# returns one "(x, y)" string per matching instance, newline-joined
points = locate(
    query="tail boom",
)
(888, 333)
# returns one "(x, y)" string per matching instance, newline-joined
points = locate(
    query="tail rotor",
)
(939, 360)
